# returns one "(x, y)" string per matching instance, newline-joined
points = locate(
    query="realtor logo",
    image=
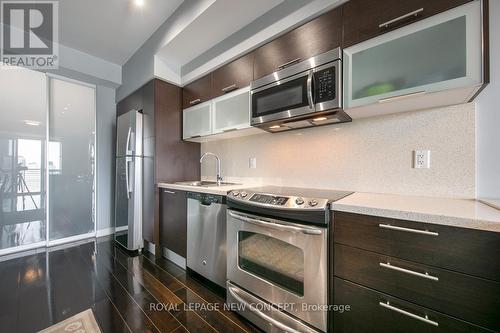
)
(29, 34)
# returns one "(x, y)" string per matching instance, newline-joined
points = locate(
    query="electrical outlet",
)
(252, 163)
(422, 159)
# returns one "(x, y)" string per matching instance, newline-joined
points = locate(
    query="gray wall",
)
(488, 118)
(106, 123)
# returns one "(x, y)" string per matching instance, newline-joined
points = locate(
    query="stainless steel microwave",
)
(304, 94)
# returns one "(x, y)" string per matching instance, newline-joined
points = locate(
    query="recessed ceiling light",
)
(139, 3)
(320, 119)
(32, 123)
(274, 127)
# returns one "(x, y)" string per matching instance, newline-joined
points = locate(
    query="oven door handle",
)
(234, 292)
(278, 226)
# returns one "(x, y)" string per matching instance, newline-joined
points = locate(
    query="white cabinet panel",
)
(437, 54)
(232, 111)
(197, 121)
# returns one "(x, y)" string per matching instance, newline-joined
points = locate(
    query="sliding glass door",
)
(23, 114)
(47, 160)
(71, 159)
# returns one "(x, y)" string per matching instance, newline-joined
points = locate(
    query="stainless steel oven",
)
(308, 93)
(277, 252)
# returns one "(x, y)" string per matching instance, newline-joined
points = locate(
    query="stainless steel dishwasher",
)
(206, 236)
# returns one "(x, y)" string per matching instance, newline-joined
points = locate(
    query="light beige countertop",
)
(453, 212)
(220, 190)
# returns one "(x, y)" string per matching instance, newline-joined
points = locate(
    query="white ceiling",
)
(111, 29)
(216, 23)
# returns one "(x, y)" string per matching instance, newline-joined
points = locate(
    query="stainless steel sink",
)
(204, 183)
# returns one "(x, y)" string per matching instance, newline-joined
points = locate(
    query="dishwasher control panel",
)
(207, 198)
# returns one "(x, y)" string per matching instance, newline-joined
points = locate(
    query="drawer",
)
(463, 250)
(371, 311)
(463, 296)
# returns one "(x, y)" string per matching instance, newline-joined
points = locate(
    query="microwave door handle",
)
(309, 90)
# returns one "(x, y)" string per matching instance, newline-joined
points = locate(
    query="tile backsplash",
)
(367, 155)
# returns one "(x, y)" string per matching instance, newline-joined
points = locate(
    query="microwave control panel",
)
(324, 85)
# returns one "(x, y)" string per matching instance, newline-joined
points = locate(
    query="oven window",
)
(272, 259)
(285, 96)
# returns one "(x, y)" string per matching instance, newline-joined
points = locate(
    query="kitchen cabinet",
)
(233, 76)
(408, 68)
(223, 117)
(432, 267)
(197, 92)
(372, 311)
(232, 111)
(322, 34)
(197, 121)
(173, 221)
(366, 19)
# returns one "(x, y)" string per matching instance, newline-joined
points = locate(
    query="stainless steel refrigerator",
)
(133, 170)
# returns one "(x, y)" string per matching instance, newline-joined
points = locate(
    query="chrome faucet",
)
(219, 177)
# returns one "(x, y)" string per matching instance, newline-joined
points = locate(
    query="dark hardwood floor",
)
(126, 293)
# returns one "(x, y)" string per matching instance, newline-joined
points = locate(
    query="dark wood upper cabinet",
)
(197, 92)
(365, 19)
(315, 37)
(235, 75)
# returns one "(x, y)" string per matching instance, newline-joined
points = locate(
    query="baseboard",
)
(174, 257)
(105, 232)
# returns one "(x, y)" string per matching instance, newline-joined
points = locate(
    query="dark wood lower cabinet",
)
(372, 311)
(458, 249)
(173, 220)
(463, 296)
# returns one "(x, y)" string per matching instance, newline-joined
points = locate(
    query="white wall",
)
(367, 155)
(106, 122)
(488, 118)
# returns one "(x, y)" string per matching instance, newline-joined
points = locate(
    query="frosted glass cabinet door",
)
(232, 111)
(439, 53)
(197, 121)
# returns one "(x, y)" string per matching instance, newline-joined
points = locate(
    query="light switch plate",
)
(252, 163)
(422, 159)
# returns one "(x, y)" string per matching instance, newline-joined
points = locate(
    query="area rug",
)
(84, 322)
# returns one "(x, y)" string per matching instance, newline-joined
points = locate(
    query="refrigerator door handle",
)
(127, 178)
(127, 145)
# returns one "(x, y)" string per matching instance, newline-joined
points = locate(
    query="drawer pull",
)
(229, 88)
(195, 101)
(407, 271)
(402, 17)
(286, 64)
(425, 319)
(169, 192)
(415, 231)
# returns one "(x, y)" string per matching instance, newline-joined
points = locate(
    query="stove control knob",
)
(244, 194)
(236, 193)
(299, 201)
(313, 203)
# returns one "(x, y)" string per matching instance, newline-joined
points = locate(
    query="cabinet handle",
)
(230, 130)
(194, 136)
(425, 319)
(230, 88)
(415, 231)
(169, 192)
(407, 271)
(402, 17)
(195, 101)
(395, 98)
(286, 64)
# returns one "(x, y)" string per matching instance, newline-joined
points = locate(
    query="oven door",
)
(281, 262)
(285, 98)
